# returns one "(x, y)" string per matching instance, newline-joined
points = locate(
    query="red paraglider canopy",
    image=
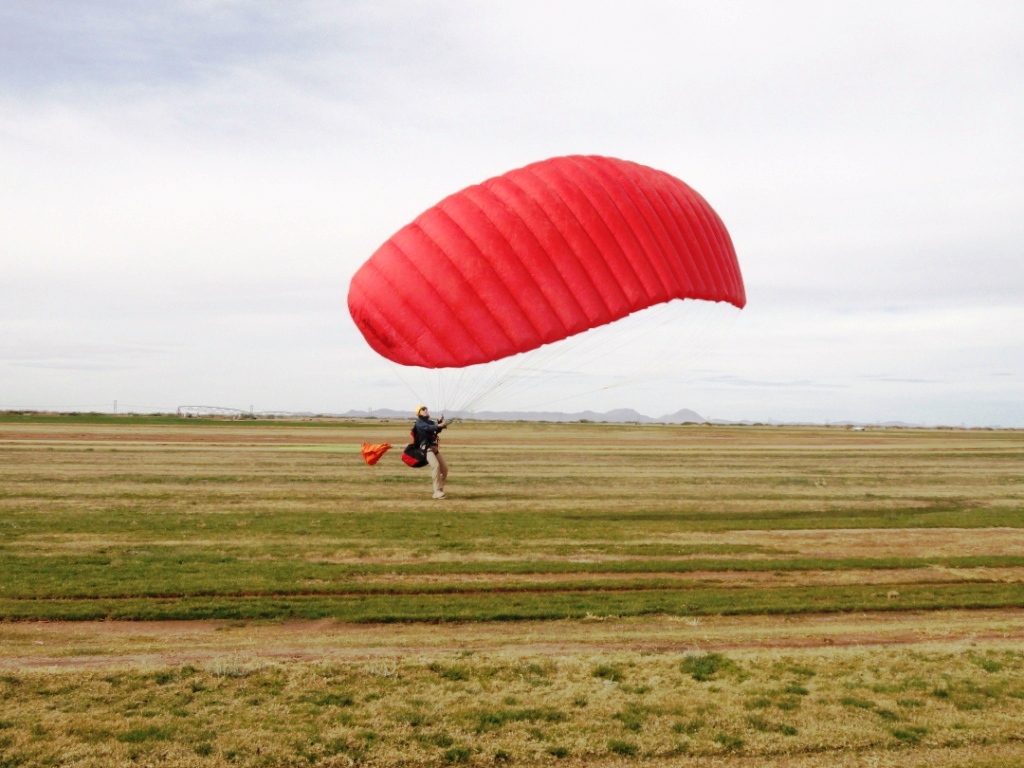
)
(536, 255)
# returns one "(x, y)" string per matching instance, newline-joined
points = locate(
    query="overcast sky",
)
(188, 187)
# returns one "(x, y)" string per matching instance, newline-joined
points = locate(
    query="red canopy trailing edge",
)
(537, 255)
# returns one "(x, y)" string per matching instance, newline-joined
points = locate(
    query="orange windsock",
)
(372, 453)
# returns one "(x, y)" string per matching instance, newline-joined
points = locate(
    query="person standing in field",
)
(425, 433)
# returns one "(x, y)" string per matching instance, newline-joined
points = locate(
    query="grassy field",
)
(588, 594)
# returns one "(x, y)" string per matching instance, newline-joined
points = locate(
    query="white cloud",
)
(189, 186)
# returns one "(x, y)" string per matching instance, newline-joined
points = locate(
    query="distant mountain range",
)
(620, 415)
(617, 416)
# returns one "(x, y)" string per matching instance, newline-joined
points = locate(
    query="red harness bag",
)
(413, 455)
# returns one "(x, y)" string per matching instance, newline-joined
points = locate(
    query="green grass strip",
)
(183, 574)
(505, 607)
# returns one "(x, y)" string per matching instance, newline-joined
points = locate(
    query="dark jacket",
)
(425, 432)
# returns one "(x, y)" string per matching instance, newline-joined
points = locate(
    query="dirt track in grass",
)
(874, 576)
(169, 643)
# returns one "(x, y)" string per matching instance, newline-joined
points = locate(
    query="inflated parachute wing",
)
(537, 255)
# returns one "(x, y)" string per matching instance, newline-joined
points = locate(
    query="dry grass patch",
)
(910, 542)
(522, 708)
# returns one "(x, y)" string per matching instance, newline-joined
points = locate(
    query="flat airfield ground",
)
(192, 592)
